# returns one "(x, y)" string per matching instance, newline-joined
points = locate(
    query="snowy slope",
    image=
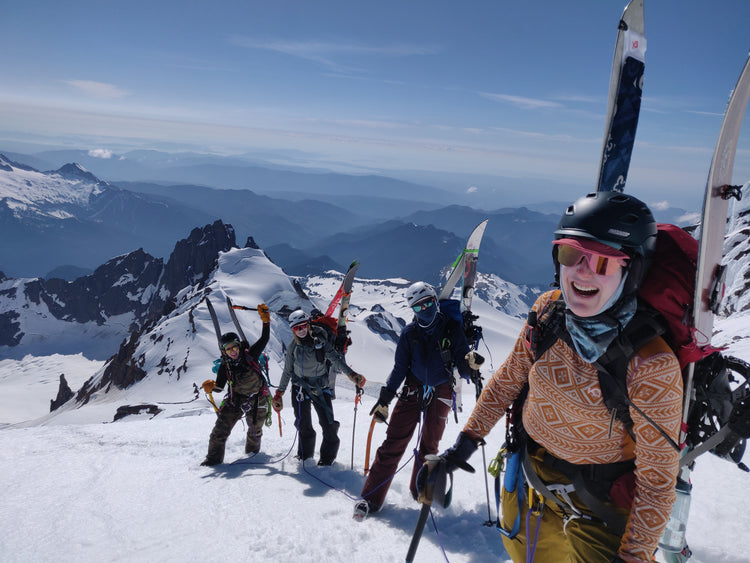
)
(133, 491)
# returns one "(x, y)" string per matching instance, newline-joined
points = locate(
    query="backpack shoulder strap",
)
(544, 328)
(644, 327)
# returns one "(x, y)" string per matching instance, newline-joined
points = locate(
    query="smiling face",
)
(585, 291)
(300, 331)
(233, 350)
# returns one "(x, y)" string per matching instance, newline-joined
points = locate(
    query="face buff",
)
(426, 312)
(593, 335)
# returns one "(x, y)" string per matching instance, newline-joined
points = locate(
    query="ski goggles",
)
(300, 327)
(233, 347)
(602, 259)
(423, 306)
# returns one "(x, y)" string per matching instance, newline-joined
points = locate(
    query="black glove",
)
(432, 475)
(380, 410)
(457, 455)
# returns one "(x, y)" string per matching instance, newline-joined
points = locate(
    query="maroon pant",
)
(404, 420)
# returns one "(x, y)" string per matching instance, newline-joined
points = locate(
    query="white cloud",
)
(689, 218)
(97, 89)
(660, 205)
(324, 52)
(521, 101)
(100, 153)
(472, 190)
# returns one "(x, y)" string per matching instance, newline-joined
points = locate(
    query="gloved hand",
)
(265, 315)
(457, 455)
(208, 385)
(431, 476)
(475, 360)
(357, 379)
(277, 403)
(380, 410)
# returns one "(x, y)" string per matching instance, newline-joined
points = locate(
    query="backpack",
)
(340, 341)
(665, 299)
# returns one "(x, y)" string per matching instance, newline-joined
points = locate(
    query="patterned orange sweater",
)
(564, 412)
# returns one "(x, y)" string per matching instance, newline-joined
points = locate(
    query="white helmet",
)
(298, 317)
(419, 291)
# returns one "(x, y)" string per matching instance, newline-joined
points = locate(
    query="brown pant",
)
(404, 420)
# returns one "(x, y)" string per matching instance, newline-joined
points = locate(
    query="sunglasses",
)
(599, 264)
(298, 328)
(419, 307)
(231, 348)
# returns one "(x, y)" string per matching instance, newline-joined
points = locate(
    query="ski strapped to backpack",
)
(624, 104)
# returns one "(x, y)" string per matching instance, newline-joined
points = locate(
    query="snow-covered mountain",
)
(29, 193)
(156, 312)
(70, 217)
(69, 222)
(95, 312)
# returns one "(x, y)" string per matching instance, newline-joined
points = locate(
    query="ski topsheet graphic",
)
(624, 104)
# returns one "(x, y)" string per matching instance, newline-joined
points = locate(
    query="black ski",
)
(215, 320)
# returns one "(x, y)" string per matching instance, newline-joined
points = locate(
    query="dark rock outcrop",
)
(127, 410)
(64, 394)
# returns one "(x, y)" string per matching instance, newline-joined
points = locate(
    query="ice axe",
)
(431, 485)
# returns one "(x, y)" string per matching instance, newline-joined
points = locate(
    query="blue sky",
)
(489, 95)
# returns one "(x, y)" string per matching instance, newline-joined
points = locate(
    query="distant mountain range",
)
(68, 221)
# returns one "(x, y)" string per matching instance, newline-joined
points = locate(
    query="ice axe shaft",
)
(423, 514)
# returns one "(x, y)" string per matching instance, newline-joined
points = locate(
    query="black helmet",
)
(618, 220)
(229, 338)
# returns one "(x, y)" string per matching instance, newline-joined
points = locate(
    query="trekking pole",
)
(279, 413)
(490, 522)
(357, 399)
(477, 379)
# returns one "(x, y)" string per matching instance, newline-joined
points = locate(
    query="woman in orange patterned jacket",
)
(573, 446)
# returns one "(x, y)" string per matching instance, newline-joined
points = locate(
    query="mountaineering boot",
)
(325, 462)
(211, 461)
(362, 509)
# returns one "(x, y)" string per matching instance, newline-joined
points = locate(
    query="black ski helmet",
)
(229, 338)
(618, 220)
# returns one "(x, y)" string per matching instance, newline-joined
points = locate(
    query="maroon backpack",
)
(669, 287)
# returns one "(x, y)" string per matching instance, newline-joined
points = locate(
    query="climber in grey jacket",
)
(308, 357)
